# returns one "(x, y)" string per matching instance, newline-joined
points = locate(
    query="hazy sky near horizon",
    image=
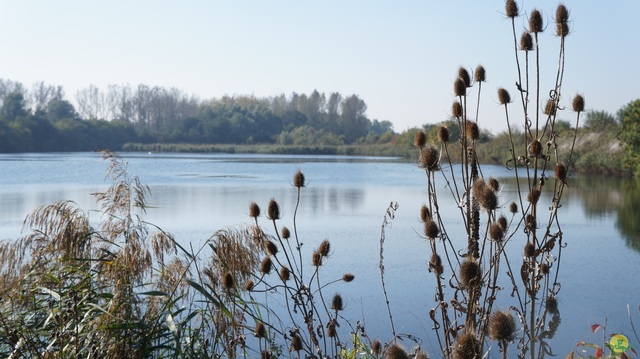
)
(400, 57)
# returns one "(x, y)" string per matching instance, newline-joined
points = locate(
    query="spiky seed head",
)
(562, 29)
(456, 109)
(464, 75)
(298, 179)
(502, 222)
(228, 282)
(285, 274)
(562, 14)
(435, 264)
(396, 352)
(561, 172)
(459, 87)
(480, 74)
(273, 211)
(296, 343)
(535, 21)
(550, 108)
(429, 158)
(270, 248)
(513, 208)
(266, 265)
(248, 286)
(443, 134)
(286, 233)
(578, 103)
(316, 259)
(552, 305)
(265, 354)
(348, 277)
(526, 42)
(324, 248)
(425, 214)
(535, 148)
(488, 200)
(375, 347)
(421, 355)
(503, 326)
(254, 210)
(495, 232)
(511, 8)
(336, 302)
(467, 346)
(533, 196)
(529, 250)
(530, 221)
(331, 329)
(494, 184)
(472, 130)
(260, 331)
(470, 274)
(431, 229)
(503, 96)
(544, 268)
(420, 139)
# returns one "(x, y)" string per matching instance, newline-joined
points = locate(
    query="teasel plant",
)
(470, 278)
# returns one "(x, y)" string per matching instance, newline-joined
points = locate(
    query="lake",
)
(345, 199)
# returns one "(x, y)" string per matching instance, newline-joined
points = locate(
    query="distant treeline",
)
(42, 119)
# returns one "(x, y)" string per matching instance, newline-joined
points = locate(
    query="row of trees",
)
(160, 115)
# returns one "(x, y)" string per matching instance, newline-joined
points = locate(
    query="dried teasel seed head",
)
(550, 108)
(530, 221)
(502, 222)
(467, 346)
(331, 329)
(425, 214)
(270, 248)
(533, 196)
(421, 355)
(470, 274)
(324, 248)
(296, 343)
(535, 21)
(561, 172)
(511, 8)
(562, 29)
(513, 208)
(420, 139)
(285, 274)
(495, 232)
(260, 331)
(429, 158)
(480, 74)
(298, 179)
(535, 148)
(562, 14)
(472, 130)
(502, 326)
(285, 232)
(578, 103)
(544, 268)
(456, 109)
(494, 184)
(443, 134)
(254, 210)
(503, 96)
(316, 259)
(396, 352)
(273, 211)
(375, 347)
(529, 250)
(435, 264)
(488, 200)
(552, 304)
(228, 282)
(336, 302)
(526, 42)
(464, 75)
(266, 265)
(348, 277)
(459, 87)
(431, 229)
(265, 354)
(248, 286)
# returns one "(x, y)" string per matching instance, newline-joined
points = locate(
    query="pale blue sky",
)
(401, 57)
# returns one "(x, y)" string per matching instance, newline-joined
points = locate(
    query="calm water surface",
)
(344, 201)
